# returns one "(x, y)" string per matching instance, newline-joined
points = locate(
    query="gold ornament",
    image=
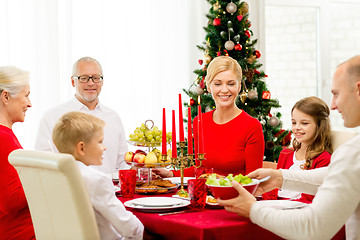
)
(251, 59)
(242, 96)
(244, 8)
(216, 6)
(207, 58)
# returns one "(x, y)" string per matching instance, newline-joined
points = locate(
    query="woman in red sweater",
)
(15, 219)
(233, 140)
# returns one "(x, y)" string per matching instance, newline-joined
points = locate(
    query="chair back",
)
(58, 200)
(340, 137)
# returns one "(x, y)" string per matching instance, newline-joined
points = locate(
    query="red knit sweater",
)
(15, 219)
(234, 147)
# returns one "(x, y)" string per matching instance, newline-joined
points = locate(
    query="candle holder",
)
(201, 157)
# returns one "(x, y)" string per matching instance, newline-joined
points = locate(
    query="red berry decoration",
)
(217, 22)
(240, 17)
(201, 61)
(238, 47)
(257, 53)
(256, 71)
(248, 22)
(247, 33)
(192, 102)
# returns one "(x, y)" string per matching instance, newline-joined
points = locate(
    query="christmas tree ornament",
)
(231, 31)
(247, 34)
(251, 59)
(231, 8)
(238, 47)
(266, 95)
(217, 22)
(274, 121)
(257, 53)
(202, 82)
(256, 71)
(262, 121)
(252, 94)
(242, 96)
(239, 17)
(237, 38)
(229, 45)
(269, 145)
(208, 109)
(249, 74)
(192, 102)
(223, 34)
(244, 8)
(199, 90)
(200, 61)
(207, 58)
(229, 24)
(216, 6)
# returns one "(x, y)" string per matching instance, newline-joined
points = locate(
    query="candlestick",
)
(190, 144)
(181, 121)
(164, 142)
(173, 141)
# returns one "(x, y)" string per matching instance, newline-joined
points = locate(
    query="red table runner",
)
(212, 223)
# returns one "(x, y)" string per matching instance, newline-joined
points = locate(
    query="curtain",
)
(147, 50)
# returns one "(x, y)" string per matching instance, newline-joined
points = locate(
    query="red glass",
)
(127, 182)
(197, 192)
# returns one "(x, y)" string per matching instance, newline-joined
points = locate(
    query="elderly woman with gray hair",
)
(15, 219)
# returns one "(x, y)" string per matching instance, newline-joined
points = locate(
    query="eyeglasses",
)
(85, 78)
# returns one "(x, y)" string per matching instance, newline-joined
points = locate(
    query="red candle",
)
(173, 137)
(200, 131)
(181, 121)
(190, 145)
(163, 143)
(196, 136)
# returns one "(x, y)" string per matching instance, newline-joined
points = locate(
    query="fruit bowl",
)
(228, 192)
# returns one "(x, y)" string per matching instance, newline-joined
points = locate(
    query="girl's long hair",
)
(321, 141)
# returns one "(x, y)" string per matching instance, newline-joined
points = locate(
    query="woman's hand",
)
(275, 181)
(240, 205)
(162, 172)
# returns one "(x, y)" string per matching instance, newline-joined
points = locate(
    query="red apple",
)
(129, 156)
(139, 158)
(140, 151)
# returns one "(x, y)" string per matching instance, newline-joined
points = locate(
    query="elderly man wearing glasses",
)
(87, 78)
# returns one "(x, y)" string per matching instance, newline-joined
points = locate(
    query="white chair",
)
(59, 203)
(341, 137)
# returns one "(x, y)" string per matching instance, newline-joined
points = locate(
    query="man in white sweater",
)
(337, 187)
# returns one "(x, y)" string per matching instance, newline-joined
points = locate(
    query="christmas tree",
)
(228, 33)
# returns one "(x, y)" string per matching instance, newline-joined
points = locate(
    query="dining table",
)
(214, 222)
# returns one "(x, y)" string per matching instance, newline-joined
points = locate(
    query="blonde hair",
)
(74, 127)
(221, 64)
(85, 59)
(321, 141)
(13, 79)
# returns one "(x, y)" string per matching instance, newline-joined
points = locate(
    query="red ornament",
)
(240, 17)
(256, 71)
(247, 33)
(266, 95)
(248, 22)
(192, 102)
(218, 53)
(238, 47)
(266, 75)
(257, 53)
(226, 53)
(217, 22)
(201, 61)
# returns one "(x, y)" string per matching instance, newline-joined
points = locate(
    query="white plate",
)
(282, 204)
(156, 204)
(177, 180)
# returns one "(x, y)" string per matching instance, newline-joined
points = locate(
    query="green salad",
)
(212, 180)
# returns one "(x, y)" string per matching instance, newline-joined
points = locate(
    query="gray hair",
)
(85, 59)
(13, 79)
